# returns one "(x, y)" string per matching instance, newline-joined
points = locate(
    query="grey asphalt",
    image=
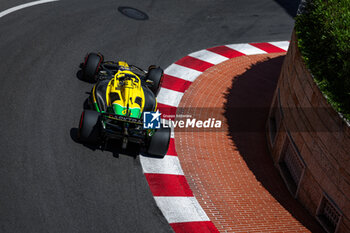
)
(48, 182)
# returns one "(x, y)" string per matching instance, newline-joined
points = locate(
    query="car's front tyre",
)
(155, 75)
(91, 66)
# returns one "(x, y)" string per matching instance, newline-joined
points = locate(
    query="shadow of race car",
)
(115, 106)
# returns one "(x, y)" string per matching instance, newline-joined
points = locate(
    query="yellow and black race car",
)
(120, 96)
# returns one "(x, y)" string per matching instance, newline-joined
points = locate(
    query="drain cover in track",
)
(132, 13)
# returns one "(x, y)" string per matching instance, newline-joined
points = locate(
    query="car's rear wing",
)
(122, 118)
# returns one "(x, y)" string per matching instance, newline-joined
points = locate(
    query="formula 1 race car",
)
(120, 96)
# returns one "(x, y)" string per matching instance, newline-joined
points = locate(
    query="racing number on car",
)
(124, 112)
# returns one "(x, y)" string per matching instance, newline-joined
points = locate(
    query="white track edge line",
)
(25, 5)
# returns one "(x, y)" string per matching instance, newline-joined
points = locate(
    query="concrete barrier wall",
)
(310, 145)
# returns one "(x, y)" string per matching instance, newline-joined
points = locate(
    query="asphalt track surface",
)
(50, 183)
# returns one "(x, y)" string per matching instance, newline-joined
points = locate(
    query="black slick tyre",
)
(155, 75)
(88, 126)
(91, 66)
(158, 144)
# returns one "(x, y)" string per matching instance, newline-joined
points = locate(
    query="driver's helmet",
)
(117, 83)
(124, 78)
(122, 65)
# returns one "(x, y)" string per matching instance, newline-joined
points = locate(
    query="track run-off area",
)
(49, 182)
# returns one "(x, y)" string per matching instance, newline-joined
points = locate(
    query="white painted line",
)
(29, 4)
(168, 165)
(181, 209)
(247, 49)
(209, 56)
(281, 44)
(169, 97)
(182, 72)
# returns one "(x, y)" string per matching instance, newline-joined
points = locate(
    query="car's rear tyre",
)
(158, 144)
(91, 66)
(89, 127)
(155, 74)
